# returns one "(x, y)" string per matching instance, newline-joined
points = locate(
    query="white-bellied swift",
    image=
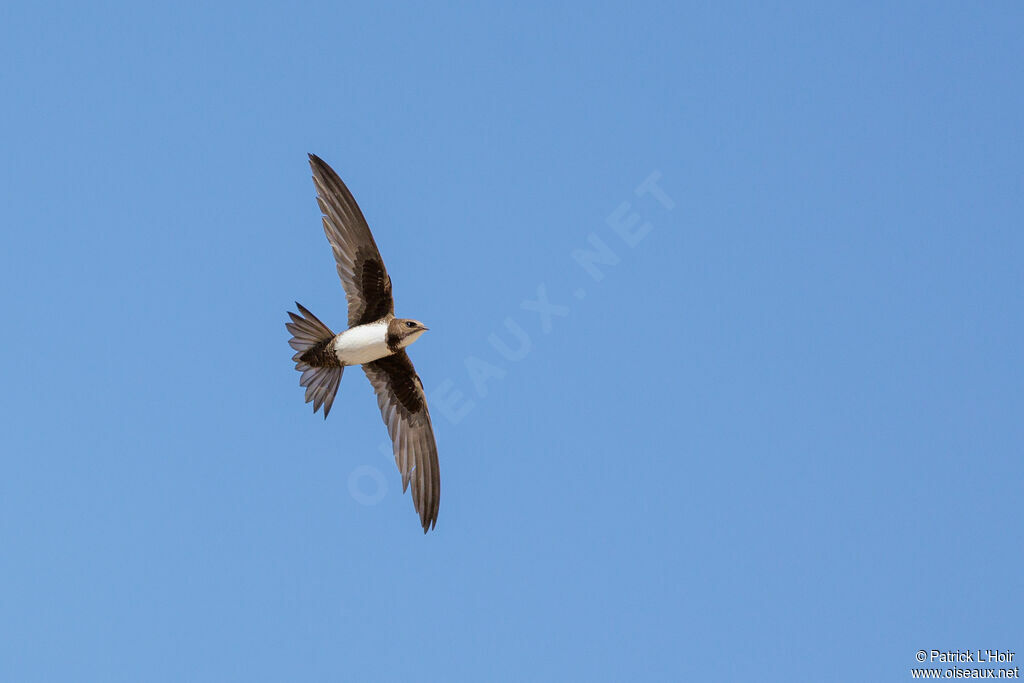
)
(375, 339)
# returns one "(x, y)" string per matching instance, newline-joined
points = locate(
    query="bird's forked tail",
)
(314, 358)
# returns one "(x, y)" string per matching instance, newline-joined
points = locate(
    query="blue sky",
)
(778, 439)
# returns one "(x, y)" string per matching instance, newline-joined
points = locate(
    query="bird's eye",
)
(410, 324)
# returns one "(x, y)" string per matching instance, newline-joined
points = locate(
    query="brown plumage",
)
(376, 339)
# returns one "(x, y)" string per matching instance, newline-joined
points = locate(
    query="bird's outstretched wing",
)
(366, 282)
(403, 406)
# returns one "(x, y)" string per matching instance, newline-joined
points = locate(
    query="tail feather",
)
(321, 371)
(307, 330)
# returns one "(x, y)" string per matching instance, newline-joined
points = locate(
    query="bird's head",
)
(404, 331)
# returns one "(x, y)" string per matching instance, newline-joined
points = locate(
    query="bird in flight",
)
(375, 339)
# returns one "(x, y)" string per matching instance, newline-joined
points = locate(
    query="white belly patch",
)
(362, 344)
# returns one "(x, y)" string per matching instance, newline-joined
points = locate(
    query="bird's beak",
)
(425, 328)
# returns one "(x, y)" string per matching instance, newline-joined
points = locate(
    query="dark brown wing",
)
(403, 406)
(366, 282)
